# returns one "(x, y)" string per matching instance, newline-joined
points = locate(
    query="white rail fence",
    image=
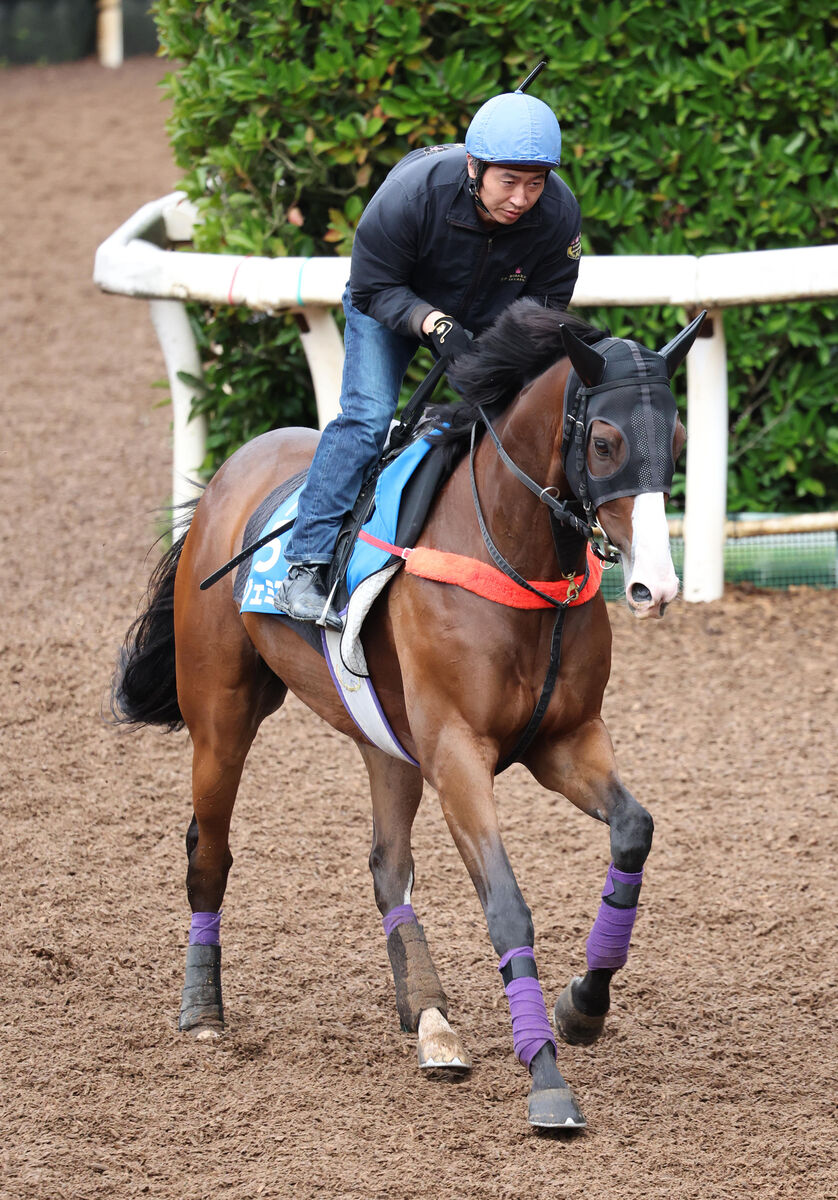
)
(141, 259)
(109, 42)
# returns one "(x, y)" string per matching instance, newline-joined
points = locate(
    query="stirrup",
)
(302, 597)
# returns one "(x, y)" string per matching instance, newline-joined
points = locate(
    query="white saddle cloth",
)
(348, 665)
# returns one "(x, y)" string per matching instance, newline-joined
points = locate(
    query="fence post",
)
(706, 490)
(174, 333)
(323, 346)
(109, 33)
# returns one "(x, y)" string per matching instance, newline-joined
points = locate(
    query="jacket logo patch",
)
(574, 250)
(516, 276)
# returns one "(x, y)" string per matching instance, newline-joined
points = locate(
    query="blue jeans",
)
(374, 367)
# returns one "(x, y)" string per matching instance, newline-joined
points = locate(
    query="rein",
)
(559, 509)
(560, 513)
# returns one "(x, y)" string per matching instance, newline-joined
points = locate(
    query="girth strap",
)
(544, 699)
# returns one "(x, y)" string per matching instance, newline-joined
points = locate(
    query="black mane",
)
(516, 348)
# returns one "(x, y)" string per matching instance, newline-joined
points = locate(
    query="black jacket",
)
(420, 245)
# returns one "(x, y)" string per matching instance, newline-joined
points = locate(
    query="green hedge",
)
(686, 130)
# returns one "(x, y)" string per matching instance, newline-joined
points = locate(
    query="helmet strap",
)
(474, 184)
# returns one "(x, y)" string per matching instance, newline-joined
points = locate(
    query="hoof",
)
(202, 1025)
(439, 1048)
(201, 1010)
(554, 1108)
(205, 1032)
(575, 1027)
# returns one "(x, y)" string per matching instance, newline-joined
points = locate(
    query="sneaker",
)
(303, 597)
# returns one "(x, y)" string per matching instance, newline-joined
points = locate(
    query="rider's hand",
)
(448, 338)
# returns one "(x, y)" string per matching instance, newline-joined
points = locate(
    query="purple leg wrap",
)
(608, 941)
(205, 929)
(530, 1023)
(402, 915)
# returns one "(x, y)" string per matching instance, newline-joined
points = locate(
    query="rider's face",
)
(508, 192)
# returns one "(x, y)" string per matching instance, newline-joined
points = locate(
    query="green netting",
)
(769, 561)
(784, 560)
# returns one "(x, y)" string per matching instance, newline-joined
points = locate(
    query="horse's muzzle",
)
(646, 604)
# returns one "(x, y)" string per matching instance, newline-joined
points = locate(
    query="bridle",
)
(559, 509)
(560, 516)
(590, 362)
(633, 395)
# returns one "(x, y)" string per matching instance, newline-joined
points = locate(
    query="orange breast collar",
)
(487, 581)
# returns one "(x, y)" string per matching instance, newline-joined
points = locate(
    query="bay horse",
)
(566, 425)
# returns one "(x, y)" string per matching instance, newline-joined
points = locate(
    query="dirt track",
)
(717, 1076)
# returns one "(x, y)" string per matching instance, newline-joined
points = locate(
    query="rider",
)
(452, 237)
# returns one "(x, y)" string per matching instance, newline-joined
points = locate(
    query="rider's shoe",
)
(303, 596)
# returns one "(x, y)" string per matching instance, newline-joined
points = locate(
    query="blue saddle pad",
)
(269, 567)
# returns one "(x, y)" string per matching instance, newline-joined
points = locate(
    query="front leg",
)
(461, 769)
(583, 768)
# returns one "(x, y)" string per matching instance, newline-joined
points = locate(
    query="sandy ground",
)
(716, 1078)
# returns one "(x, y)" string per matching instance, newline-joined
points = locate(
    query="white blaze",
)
(651, 557)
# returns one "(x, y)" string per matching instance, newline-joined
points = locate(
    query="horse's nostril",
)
(640, 594)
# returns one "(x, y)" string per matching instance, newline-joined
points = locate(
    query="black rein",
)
(559, 513)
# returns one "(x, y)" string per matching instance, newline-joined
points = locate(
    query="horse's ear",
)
(676, 351)
(588, 363)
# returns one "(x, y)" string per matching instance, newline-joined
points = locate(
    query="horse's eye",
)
(601, 446)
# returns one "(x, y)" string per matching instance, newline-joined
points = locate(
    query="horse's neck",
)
(531, 433)
(531, 427)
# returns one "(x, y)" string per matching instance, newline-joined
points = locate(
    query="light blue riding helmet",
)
(515, 128)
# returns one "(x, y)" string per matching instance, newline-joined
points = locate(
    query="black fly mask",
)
(627, 386)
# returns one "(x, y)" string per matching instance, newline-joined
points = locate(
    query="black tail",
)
(144, 690)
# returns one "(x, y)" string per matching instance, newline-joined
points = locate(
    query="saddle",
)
(426, 468)
(404, 483)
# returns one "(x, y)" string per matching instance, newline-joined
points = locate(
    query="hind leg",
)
(396, 789)
(223, 700)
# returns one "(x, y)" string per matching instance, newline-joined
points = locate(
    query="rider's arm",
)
(383, 258)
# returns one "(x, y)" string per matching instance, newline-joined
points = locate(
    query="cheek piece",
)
(608, 941)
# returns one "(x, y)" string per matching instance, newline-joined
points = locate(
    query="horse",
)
(558, 425)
